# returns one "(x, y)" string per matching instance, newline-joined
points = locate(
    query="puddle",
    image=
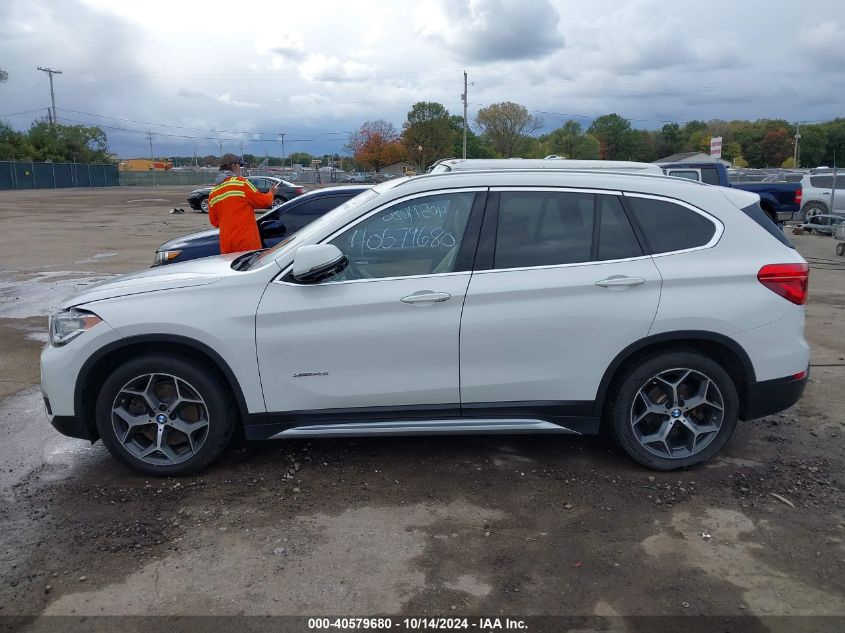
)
(96, 258)
(24, 295)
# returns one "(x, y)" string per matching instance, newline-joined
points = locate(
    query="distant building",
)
(144, 164)
(691, 157)
(402, 167)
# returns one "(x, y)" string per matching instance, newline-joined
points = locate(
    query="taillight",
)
(300, 190)
(798, 194)
(787, 280)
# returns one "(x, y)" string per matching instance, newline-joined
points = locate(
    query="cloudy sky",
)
(201, 74)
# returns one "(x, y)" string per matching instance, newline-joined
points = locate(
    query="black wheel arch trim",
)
(679, 336)
(153, 339)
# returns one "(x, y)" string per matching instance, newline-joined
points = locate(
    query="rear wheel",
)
(812, 209)
(163, 415)
(840, 249)
(674, 410)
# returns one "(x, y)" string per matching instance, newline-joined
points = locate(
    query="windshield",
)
(316, 226)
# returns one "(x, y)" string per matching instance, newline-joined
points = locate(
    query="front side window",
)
(670, 227)
(421, 236)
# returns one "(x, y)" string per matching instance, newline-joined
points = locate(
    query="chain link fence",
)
(31, 175)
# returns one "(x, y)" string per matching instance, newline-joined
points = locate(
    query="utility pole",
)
(52, 72)
(150, 139)
(464, 99)
(796, 154)
(282, 136)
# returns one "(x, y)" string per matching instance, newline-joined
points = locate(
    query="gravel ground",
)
(438, 526)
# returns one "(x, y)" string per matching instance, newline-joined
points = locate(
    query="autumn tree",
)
(615, 135)
(427, 134)
(776, 146)
(376, 144)
(506, 125)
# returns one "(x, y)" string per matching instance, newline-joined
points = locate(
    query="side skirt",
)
(573, 418)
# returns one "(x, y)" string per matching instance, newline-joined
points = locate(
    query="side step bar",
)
(458, 426)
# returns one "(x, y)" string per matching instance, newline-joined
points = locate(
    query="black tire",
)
(221, 413)
(204, 205)
(636, 376)
(814, 208)
(840, 249)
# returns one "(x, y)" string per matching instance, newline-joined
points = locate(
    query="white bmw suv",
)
(661, 309)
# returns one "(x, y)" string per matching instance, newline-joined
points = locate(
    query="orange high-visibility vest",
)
(231, 207)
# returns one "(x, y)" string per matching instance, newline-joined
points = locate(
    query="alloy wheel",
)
(160, 419)
(677, 413)
(204, 205)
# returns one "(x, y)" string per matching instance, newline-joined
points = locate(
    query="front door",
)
(384, 332)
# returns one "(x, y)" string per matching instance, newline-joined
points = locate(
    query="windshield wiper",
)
(242, 262)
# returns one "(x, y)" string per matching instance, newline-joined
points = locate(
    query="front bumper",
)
(771, 396)
(194, 203)
(60, 368)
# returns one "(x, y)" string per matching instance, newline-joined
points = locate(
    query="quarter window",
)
(710, 175)
(418, 237)
(670, 227)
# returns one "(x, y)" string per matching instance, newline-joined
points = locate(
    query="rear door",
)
(561, 286)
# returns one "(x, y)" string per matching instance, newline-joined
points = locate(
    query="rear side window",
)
(669, 227)
(762, 218)
(710, 176)
(542, 228)
(616, 237)
(826, 182)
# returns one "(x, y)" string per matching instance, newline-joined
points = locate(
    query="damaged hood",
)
(197, 272)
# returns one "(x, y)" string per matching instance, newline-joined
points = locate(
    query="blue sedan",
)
(274, 226)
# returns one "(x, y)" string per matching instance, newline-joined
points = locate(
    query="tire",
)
(651, 377)
(204, 205)
(840, 249)
(141, 427)
(813, 208)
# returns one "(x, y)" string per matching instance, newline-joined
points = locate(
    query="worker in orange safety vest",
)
(232, 204)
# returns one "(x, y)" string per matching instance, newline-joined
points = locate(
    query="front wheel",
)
(204, 205)
(840, 249)
(673, 410)
(163, 415)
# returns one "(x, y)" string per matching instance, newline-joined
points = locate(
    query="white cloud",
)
(229, 100)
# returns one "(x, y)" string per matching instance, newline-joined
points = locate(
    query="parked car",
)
(818, 191)
(274, 226)
(780, 200)
(519, 301)
(822, 223)
(198, 198)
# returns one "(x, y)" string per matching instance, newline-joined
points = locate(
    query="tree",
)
(615, 136)
(507, 124)
(14, 145)
(77, 143)
(4, 76)
(731, 150)
(812, 145)
(427, 133)
(776, 146)
(669, 140)
(642, 146)
(299, 158)
(476, 148)
(376, 144)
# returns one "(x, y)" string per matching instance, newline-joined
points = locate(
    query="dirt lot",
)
(449, 526)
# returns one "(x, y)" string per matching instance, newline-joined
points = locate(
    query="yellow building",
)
(144, 164)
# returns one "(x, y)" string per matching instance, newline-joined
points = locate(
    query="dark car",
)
(274, 225)
(198, 198)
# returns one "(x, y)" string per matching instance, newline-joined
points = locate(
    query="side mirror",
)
(314, 263)
(272, 228)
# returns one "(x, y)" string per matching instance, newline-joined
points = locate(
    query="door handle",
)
(620, 281)
(426, 296)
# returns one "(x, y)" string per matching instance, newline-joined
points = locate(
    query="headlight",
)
(165, 257)
(68, 324)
